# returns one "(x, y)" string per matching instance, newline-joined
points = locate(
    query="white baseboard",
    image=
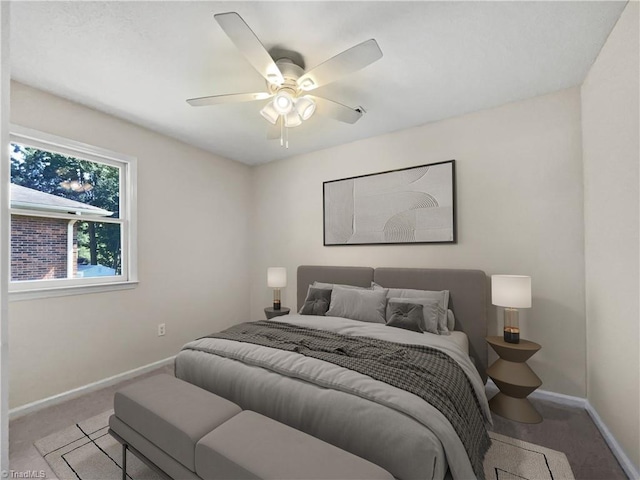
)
(561, 398)
(554, 397)
(627, 465)
(77, 392)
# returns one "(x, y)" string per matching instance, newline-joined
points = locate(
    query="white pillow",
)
(357, 304)
(430, 311)
(451, 320)
(442, 296)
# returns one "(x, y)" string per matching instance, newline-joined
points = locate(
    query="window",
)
(72, 217)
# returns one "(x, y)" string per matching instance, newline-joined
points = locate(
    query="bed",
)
(386, 425)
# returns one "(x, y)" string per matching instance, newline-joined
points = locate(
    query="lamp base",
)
(511, 326)
(276, 299)
(512, 335)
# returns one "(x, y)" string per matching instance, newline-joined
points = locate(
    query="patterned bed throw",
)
(424, 371)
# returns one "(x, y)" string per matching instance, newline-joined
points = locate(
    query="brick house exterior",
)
(40, 248)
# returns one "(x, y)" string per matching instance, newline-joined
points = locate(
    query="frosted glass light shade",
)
(269, 113)
(305, 107)
(283, 102)
(276, 277)
(511, 291)
(292, 119)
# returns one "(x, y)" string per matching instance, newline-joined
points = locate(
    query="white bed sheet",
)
(460, 339)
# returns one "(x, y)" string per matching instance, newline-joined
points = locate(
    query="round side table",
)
(515, 380)
(270, 312)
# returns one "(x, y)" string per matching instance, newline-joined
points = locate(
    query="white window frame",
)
(29, 289)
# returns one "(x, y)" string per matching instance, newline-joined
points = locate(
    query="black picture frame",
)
(407, 206)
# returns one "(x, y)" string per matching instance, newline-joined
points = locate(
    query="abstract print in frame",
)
(410, 205)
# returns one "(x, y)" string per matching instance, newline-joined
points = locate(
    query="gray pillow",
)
(406, 315)
(331, 285)
(356, 304)
(430, 311)
(442, 296)
(317, 301)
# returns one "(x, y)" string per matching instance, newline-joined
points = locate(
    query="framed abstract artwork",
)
(410, 205)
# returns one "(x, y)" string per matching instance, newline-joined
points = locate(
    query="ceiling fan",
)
(288, 84)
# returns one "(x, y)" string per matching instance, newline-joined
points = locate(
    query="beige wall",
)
(611, 152)
(209, 228)
(519, 182)
(193, 220)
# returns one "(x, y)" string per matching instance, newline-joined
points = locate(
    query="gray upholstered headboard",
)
(467, 299)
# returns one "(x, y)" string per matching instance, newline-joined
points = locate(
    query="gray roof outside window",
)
(30, 199)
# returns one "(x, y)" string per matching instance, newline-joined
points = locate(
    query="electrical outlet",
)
(161, 329)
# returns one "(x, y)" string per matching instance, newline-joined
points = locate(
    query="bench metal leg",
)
(124, 461)
(128, 448)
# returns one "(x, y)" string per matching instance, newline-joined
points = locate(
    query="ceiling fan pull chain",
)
(281, 132)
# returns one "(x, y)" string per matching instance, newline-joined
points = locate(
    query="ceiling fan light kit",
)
(288, 82)
(292, 119)
(283, 102)
(269, 113)
(305, 107)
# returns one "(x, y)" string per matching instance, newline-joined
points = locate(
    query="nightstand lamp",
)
(276, 279)
(511, 292)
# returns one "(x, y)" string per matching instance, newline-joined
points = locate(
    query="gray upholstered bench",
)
(185, 432)
(162, 418)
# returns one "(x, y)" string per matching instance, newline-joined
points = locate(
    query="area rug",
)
(512, 459)
(85, 451)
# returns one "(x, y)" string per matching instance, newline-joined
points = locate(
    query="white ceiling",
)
(141, 60)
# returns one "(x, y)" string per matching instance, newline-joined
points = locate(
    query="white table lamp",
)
(276, 279)
(512, 292)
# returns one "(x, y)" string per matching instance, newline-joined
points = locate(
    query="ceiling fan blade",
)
(231, 98)
(247, 42)
(329, 108)
(344, 63)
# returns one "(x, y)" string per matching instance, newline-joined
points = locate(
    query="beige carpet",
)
(86, 451)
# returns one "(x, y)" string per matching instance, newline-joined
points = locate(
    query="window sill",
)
(20, 295)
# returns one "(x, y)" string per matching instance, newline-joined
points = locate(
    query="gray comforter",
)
(389, 426)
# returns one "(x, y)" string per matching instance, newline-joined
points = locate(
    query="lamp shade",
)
(511, 291)
(277, 277)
